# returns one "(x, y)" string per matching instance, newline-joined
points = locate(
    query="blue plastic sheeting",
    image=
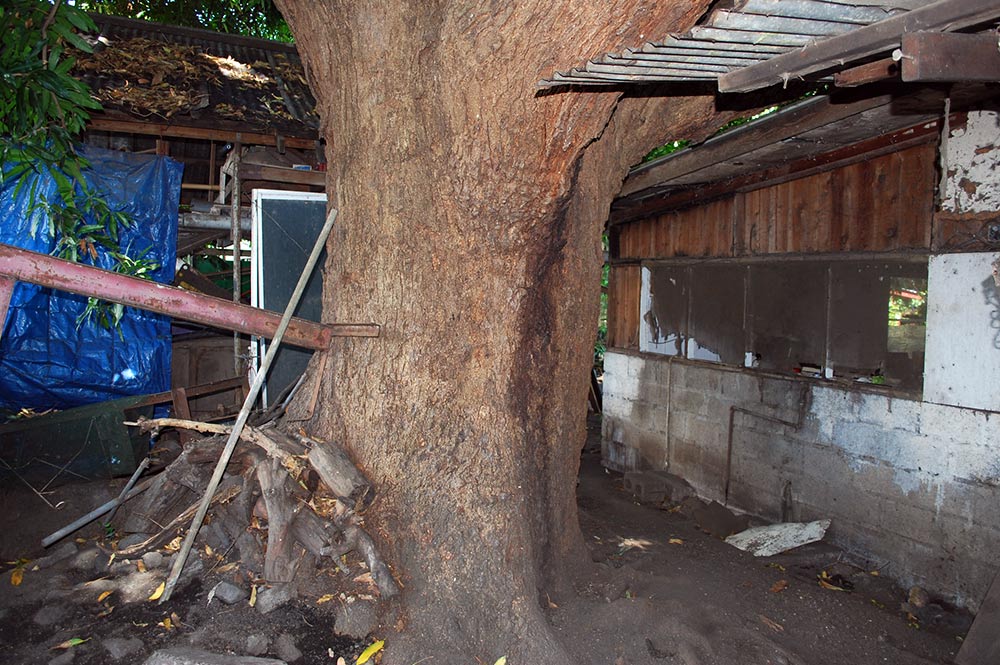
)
(46, 359)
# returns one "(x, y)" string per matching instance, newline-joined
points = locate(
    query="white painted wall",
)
(962, 361)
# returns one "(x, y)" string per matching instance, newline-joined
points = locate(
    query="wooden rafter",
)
(870, 40)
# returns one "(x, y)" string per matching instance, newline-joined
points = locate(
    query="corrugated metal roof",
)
(728, 40)
(254, 84)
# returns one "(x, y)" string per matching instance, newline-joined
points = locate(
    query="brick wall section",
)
(909, 485)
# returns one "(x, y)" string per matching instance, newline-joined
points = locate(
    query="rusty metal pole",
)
(258, 382)
(45, 270)
(6, 290)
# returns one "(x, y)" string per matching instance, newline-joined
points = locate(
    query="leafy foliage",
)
(42, 109)
(253, 18)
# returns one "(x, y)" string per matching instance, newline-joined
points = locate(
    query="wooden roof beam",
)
(949, 57)
(166, 130)
(870, 40)
(804, 116)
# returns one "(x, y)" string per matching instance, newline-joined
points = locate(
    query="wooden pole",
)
(241, 420)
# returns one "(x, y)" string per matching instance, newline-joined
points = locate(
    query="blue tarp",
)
(46, 359)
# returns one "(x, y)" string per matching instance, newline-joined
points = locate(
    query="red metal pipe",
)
(49, 271)
(6, 289)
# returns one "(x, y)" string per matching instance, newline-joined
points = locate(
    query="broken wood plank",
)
(945, 57)
(880, 70)
(227, 491)
(365, 546)
(314, 533)
(872, 39)
(338, 472)
(280, 562)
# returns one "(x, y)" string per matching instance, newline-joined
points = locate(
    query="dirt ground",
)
(662, 591)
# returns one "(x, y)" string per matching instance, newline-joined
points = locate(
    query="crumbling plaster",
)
(972, 155)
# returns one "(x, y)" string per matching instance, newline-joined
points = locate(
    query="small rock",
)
(102, 563)
(61, 553)
(257, 644)
(50, 615)
(121, 568)
(286, 649)
(152, 560)
(120, 647)
(919, 597)
(86, 559)
(191, 656)
(132, 539)
(230, 594)
(274, 597)
(64, 658)
(355, 620)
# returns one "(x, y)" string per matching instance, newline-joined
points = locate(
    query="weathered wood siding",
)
(705, 230)
(882, 204)
(624, 283)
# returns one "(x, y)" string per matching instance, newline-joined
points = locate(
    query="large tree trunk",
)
(470, 221)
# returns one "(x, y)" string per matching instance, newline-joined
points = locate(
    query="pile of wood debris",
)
(287, 504)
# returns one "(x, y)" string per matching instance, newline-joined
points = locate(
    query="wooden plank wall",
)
(705, 230)
(879, 205)
(624, 282)
(882, 204)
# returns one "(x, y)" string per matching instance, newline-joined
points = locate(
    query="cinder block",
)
(889, 412)
(686, 400)
(703, 378)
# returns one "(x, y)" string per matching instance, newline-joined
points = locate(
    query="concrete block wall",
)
(909, 485)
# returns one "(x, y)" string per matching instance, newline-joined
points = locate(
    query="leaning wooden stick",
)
(241, 419)
(251, 434)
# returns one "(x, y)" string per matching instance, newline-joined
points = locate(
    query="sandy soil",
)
(661, 592)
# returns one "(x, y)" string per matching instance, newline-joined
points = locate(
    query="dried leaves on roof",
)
(161, 80)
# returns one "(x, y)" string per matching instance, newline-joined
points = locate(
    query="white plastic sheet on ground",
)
(778, 538)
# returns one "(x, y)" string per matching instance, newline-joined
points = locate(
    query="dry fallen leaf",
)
(341, 661)
(159, 591)
(174, 544)
(70, 643)
(104, 595)
(502, 660)
(166, 623)
(779, 586)
(253, 595)
(140, 566)
(208, 550)
(325, 598)
(106, 611)
(226, 568)
(365, 578)
(369, 652)
(770, 623)
(676, 541)
(551, 604)
(16, 576)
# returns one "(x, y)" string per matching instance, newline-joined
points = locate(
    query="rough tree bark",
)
(470, 221)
